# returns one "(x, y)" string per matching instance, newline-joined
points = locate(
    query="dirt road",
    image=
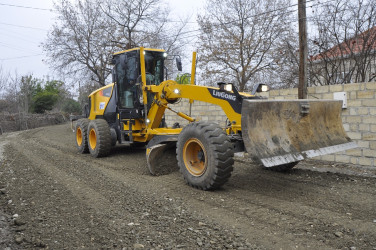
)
(52, 197)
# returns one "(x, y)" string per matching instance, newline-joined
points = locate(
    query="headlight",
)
(177, 91)
(260, 88)
(265, 88)
(225, 86)
(228, 87)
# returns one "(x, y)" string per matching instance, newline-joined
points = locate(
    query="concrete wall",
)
(359, 119)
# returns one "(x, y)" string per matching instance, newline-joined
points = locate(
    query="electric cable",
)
(25, 7)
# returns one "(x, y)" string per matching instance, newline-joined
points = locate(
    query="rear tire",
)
(113, 137)
(81, 135)
(99, 138)
(284, 167)
(205, 156)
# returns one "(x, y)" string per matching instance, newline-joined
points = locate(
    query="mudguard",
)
(161, 154)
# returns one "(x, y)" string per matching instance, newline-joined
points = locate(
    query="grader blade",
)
(277, 132)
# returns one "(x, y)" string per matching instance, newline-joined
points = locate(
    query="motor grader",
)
(274, 133)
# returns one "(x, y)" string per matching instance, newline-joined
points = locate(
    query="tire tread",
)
(102, 130)
(83, 124)
(219, 145)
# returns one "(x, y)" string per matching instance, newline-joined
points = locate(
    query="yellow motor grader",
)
(275, 133)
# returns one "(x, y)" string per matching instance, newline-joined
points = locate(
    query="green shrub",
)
(183, 79)
(44, 101)
(71, 106)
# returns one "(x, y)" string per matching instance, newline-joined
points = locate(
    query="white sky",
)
(20, 49)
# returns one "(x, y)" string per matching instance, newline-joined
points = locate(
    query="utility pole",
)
(303, 50)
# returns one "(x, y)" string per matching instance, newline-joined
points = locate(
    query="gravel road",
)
(52, 197)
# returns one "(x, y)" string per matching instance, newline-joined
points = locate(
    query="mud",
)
(65, 200)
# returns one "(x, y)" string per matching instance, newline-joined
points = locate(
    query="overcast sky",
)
(22, 30)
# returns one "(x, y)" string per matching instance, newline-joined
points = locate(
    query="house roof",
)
(355, 45)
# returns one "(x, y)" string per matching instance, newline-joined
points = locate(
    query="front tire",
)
(204, 155)
(81, 135)
(99, 138)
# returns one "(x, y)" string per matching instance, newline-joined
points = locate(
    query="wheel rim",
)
(92, 139)
(194, 156)
(79, 136)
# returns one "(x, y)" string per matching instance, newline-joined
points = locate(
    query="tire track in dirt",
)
(131, 179)
(308, 193)
(93, 203)
(40, 201)
(272, 210)
(281, 186)
(296, 217)
(255, 210)
(91, 193)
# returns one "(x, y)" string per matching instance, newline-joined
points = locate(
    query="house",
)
(353, 60)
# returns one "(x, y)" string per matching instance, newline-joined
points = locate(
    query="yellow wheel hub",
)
(194, 156)
(79, 136)
(92, 139)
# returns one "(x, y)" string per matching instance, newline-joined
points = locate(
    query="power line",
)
(25, 7)
(12, 58)
(183, 33)
(260, 14)
(14, 48)
(17, 36)
(21, 26)
(34, 8)
(177, 21)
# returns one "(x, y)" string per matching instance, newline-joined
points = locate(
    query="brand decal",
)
(224, 95)
(233, 100)
(101, 105)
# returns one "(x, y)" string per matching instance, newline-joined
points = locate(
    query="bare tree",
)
(4, 78)
(145, 23)
(88, 32)
(344, 46)
(284, 71)
(238, 37)
(28, 86)
(78, 42)
(11, 101)
(138, 22)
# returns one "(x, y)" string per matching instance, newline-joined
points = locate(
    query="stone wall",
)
(359, 119)
(21, 121)
(202, 111)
